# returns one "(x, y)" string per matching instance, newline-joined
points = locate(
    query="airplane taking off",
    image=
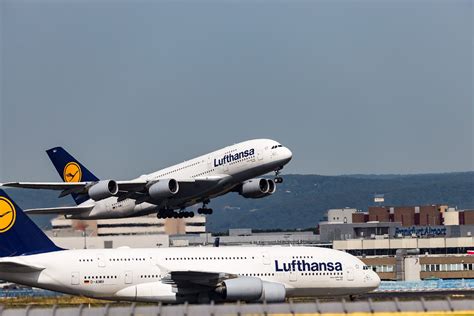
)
(233, 168)
(175, 275)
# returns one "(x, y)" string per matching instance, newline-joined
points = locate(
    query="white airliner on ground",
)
(233, 168)
(175, 275)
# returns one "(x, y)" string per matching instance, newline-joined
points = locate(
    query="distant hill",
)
(302, 200)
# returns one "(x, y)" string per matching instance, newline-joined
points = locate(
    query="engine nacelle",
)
(271, 187)
(149, 292)
(163, 189)
(273, 292)
(102, 190)
(257, 188)
(251, 289)
(241, 289)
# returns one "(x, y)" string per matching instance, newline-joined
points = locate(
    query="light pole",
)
(85, 238)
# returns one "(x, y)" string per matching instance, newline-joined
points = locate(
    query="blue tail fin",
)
(70, 170)
(18, 234)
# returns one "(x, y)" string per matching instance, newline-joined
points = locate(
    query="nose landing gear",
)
(278, 179)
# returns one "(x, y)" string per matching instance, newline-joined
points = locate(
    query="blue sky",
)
(133, 86)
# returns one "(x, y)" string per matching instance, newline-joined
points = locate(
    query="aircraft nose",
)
(286, 154)
(375, 280)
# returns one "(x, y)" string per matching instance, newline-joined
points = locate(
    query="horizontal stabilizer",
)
(63, 210)
(12, 266)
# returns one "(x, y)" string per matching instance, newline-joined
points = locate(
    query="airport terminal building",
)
(405, 243)
(138, 232)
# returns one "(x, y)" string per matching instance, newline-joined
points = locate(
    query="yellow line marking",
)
(435, 313)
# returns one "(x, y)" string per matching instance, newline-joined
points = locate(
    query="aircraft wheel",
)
(191, 214)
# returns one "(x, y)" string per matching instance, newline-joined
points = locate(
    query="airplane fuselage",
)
(237, 163)
(139, 274)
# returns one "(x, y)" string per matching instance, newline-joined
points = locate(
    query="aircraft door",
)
(259, 154)
(75, 278)
(265, 258)
(209, 162)
(101, 261)
(350, 274)
(293, 276)
(128, 277)
(270, 153)
(225, 167)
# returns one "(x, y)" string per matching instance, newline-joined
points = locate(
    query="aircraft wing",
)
(14, 266)
(210, 179)
(133, 185)
(183, 279)
(135, 189)
(47, 185)
(63, 210)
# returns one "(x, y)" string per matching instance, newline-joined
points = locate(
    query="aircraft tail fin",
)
(18, 234)
(70, 170)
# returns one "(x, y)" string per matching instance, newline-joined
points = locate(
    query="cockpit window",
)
(366, 267)
(276, 146)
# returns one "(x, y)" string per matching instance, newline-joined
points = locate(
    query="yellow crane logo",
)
(7, 214)
(72, 172)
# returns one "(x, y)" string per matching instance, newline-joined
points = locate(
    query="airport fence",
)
(385, 287)
(421, 306)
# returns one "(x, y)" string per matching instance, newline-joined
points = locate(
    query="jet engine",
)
(102, 190)
(251, 289)
(257, 188)
(273, 292)
(149, 292)
(243, 289)
(163, 189)
(271, 187)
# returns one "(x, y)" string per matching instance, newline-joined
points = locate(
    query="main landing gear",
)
(278, 179)
(167, 213)
(204, 209)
